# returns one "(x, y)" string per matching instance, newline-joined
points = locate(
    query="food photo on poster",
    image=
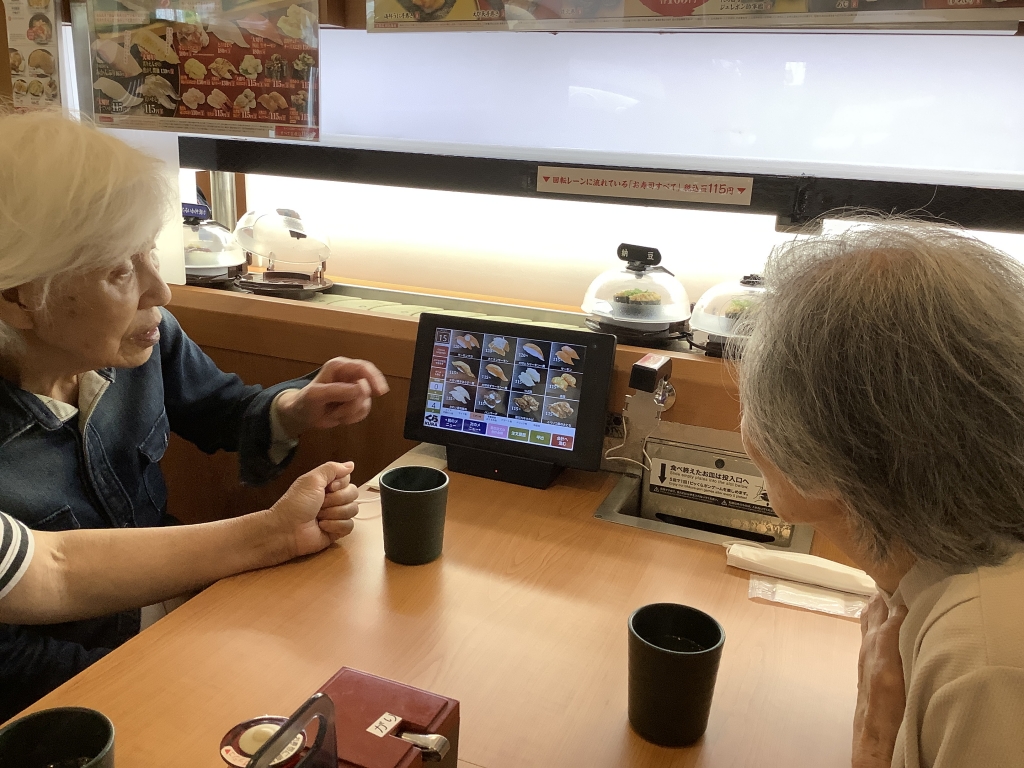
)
(554, 15)
(219, 67)
(33, 55)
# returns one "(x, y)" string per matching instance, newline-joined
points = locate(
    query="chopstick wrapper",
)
(806, 569)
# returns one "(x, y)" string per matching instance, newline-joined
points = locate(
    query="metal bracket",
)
(322, 753)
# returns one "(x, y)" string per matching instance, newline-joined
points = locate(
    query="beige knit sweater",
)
(962, 645)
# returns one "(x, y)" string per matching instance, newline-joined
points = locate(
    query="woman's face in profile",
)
(106, 318)
(787, 502)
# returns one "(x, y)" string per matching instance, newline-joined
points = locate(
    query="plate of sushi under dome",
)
(641, 303)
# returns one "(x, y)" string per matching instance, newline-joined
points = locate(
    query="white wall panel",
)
(520, 248)
(929, 108)
(170, 247)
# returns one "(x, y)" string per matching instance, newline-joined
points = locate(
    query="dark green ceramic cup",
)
(67, 737)
(412, 502)
(674, 651)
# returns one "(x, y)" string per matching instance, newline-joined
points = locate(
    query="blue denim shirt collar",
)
(108, 475)
(19, 409)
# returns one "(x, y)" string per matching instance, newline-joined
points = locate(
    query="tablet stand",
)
(500, 466)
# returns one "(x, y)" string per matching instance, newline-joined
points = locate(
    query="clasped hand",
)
(316, 510)
(881, 696)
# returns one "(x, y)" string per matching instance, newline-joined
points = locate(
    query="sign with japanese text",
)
(553, 15)
(207, 66)
(711, 486)
(648, 185)
(384, 725)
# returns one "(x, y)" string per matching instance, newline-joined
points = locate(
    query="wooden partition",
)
(266, 340)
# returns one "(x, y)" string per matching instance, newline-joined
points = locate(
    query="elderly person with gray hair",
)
(94, 375)
(882, 386)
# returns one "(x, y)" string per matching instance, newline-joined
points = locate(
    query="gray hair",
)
(885, 367)
(72, 199)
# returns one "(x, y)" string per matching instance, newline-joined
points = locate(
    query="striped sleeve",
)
(16, 547)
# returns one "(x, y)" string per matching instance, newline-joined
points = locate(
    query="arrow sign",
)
(662, 475)
(645, 185)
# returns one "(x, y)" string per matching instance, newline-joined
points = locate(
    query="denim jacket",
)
(55, 476)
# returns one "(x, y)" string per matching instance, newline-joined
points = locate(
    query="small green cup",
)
(413, 501)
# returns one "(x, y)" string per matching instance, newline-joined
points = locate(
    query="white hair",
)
(72, 199)
(885, 367)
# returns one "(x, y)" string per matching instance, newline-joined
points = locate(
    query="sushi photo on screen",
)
(526, 407)
(564, 385)
(567, 357)
(526, 378)
(459, 396)
(463, 370)
(561, 412)
(496, 375)
(533, 352)
(466, 344)
(499, 348)
(492, 401)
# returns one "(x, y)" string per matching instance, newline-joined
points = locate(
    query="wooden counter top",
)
(523, 619)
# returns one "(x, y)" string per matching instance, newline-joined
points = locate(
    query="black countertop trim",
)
(793, 199)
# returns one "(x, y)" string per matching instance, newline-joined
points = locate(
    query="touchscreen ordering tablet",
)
(510, 390)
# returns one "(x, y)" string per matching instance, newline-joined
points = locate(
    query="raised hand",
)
(341, 393)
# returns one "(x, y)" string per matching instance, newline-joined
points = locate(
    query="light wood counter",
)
(523, 619)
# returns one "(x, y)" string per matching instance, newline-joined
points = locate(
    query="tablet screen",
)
(521, 389)
(512, 388)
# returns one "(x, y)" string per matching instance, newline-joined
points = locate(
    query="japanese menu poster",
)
(207, 66)
(553, 15)
(33, 34)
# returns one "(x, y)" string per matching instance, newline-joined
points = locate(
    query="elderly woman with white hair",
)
(94, 374)
(882, 386)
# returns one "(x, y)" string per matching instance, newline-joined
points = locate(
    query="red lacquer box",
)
(370, 711)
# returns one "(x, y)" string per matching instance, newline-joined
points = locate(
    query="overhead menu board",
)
(33, 36)
(551, 15)
(212, 66)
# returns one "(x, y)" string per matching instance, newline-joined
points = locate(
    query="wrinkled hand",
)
(341, 393)
(317, 509)
(881, 696)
